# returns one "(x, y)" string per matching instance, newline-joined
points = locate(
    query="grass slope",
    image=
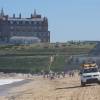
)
(34, 58)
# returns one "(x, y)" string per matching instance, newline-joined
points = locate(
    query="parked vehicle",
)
(89, 74)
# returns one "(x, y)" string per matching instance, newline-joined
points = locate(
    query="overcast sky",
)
(68, 19)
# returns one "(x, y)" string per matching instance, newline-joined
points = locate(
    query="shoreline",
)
(9, 81)
(5, 89)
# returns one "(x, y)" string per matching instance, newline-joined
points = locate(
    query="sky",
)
(68, 19)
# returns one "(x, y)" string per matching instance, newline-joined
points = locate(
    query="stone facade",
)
(36, 26)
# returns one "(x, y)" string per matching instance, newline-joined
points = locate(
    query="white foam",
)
(9, 81)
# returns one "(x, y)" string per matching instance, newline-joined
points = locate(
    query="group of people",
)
(52, 75)
(71, 73)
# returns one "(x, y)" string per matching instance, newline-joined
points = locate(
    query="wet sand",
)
(4, 89)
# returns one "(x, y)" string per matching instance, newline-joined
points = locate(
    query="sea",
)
(9, 81)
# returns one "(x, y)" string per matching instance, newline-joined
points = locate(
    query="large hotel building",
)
(34, 26)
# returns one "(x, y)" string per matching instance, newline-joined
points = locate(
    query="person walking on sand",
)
(51, 74)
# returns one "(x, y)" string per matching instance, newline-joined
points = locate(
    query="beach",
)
(39, 88)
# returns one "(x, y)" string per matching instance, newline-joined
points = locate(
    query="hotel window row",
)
(26, 22)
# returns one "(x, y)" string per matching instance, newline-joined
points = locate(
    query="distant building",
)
(35, 26)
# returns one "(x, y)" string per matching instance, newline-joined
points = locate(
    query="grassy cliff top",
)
(46, 49)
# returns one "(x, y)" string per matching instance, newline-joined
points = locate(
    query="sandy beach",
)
(39, 88)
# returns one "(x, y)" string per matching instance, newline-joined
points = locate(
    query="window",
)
(11, 33)
(30, 22)
(40, 27)
(17, 22)
(11, 27)
(35, 23)
(44, 34)
(35, 27)
(8, 22)
(23, 22)
(90, 70)
(40, 34)
(11, 22)
(27, 22)
(40, 22)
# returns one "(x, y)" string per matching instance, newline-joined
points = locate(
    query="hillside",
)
(36, 57)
